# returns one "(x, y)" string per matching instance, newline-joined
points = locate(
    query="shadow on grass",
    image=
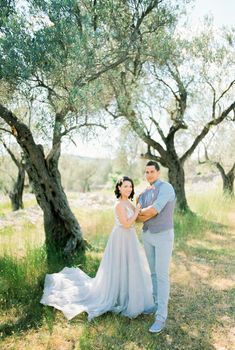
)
(193, 313)
(196, 311)
(19, 298)
(190, 225)
(222, 255)
(21, 288)
(195, 317)
(116, 332)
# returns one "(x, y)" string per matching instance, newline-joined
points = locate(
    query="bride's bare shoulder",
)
(116, 204)
(119, 206)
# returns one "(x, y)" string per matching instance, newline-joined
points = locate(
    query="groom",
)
(158, 204)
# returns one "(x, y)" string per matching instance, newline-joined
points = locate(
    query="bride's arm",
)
(122, 215)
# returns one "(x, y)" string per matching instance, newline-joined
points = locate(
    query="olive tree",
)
(61, 50)
(178, 86)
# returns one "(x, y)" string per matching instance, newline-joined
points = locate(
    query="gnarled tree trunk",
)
(16, 195)
(176, 177)
(228, 183)
(63, 232)
(228, 179)
(62, 229)
(162, 148)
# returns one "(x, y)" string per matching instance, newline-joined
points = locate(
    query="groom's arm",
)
(146, 214)
(166, 194)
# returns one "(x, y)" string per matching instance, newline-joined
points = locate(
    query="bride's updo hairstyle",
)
(119, 184)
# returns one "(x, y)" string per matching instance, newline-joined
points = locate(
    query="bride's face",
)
(125, 189)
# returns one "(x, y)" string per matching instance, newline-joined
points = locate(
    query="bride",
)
(122, 283)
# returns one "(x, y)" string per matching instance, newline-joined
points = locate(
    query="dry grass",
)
(202, 305)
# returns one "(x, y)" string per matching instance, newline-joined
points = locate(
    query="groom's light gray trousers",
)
(158, 247)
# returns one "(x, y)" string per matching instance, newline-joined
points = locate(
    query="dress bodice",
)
(130, 213)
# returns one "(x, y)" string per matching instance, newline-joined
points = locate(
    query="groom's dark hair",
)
(155, 164)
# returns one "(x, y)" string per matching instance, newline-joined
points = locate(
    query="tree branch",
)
(41, 83)
(166, 84)
(17, 163)
(205, 131)
(22, 134)
(159, 129)
(154, 121)
(5, 130)
(232, 170)
(174, 128)
(81, 126)
(217, 164)
(81, 81)
(150, 156)
(115, 116)
(151, 6)
(214, 98)
(132, 118)
(220, 168)
(225, 91)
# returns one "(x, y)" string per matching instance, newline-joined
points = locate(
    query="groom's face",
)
(151, 173)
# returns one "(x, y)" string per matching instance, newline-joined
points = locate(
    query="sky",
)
(222, 10)
(223, 13)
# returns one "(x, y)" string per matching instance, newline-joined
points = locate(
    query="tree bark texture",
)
(62, 229)
(16, 195)
(228, 179)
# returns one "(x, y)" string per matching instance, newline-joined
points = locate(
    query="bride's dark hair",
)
(120, 182)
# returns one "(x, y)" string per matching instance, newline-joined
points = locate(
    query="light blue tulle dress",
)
(122, 283)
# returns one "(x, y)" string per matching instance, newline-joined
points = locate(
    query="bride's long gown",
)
(122, 283)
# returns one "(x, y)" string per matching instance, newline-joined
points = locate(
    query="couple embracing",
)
(129, 281)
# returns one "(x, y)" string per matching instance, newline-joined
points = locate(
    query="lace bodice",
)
(130, 213)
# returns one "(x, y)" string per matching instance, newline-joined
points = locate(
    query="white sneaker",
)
(157, 326)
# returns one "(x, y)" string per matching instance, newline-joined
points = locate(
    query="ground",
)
(202, 304)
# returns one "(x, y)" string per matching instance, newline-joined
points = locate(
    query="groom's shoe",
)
(157, 326)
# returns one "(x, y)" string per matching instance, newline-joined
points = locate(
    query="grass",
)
(5, 207)
(201, 309)
(212, 205)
